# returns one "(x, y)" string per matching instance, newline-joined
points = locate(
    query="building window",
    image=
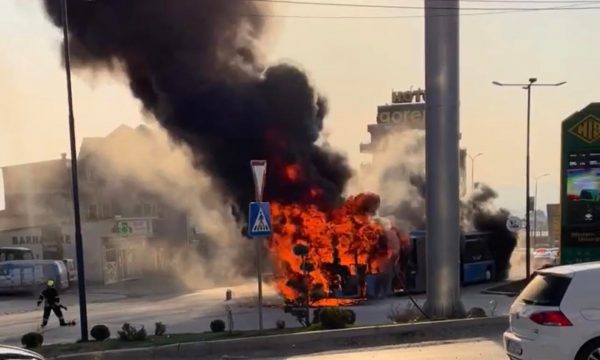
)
(36, 240)
(106, 211)
(15, 240)
(67, 239)
(147, 210)
(93, 212)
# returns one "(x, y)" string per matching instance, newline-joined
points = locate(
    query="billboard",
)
(411, 116)
(580, 186)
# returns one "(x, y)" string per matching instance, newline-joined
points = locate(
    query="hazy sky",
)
(355, 63)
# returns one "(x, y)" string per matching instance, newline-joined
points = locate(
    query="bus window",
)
(476, 251)
(10, 254)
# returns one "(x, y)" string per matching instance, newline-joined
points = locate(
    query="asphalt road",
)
(186, 311)
(474, 349)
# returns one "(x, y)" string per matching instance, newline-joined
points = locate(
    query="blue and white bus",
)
(477, 261)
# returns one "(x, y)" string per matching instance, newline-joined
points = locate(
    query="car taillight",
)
(550, 318)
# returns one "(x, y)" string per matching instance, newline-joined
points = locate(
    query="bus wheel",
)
(488, 275)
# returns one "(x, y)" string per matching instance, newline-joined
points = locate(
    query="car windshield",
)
(545, 290)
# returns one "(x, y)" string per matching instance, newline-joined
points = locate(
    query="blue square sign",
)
(259, 219)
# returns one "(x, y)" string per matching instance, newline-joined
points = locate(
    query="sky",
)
(355, 63)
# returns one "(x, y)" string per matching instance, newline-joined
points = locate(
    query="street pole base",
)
(444, 311)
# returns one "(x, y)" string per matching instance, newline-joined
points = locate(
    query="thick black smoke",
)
(194, 65)
(483, 217)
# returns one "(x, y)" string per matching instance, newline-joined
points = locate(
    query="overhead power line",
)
(522, 1)
(578, 5)
(416, 7)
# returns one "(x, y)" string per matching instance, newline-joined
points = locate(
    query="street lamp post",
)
(532, 82)
(473, 158)
(75, 180)
(535, 232)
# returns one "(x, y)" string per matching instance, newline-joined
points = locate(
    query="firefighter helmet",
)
(50, 283)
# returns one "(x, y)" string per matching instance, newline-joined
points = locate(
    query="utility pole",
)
(442, 159)
(473, 158)
(75, 181)
(532, 82)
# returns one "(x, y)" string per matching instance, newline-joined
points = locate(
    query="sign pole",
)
(260, 295)
(259, 170)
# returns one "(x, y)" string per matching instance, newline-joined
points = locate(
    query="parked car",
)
(556, 316)
(542, 253)
(71, 271)
(14, 353)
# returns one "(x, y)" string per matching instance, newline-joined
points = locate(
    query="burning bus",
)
(348, 255)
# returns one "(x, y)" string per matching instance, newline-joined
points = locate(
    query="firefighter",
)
(51, 301)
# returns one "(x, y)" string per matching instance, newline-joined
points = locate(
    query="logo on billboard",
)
(587, 129)
(405, 97)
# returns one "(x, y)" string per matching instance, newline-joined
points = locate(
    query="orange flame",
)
(292, 172)
(344, 238)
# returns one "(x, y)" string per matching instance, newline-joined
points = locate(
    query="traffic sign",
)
(259, 223)
(259, 171)
(513, 224)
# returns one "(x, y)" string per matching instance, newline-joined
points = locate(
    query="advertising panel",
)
(580, 186)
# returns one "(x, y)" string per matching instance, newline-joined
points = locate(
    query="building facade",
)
(126, 231)
(406, 112)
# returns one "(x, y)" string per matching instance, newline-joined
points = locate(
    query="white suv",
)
(557, 316)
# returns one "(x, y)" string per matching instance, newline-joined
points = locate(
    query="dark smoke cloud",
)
(194, 65)
(482, 216)
(478, 213)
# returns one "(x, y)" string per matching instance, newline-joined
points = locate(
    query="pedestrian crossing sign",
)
(259, 216)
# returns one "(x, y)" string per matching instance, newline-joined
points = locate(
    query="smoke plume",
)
(145, 161)
(397, 174)
(194, 65)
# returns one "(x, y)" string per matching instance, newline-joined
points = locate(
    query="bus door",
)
(477, 261)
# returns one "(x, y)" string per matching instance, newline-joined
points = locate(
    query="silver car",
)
(15, 353)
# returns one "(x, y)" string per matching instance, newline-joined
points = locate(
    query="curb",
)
(311, 342)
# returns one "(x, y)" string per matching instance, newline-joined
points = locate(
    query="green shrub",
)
(476, 312)
(217, 326)
(316, 316)
(32, 340)
(160, 329)
(280, 324)
(141, 335)
(100, 332)
(333, 318)
(130, 333)
(351, 317)
(407, 315)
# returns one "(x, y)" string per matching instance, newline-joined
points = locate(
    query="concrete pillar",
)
(442, 159)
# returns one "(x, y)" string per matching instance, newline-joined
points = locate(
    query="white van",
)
(71, 271)
(31, 275)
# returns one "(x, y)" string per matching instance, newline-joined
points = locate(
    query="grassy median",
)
(152, 341)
